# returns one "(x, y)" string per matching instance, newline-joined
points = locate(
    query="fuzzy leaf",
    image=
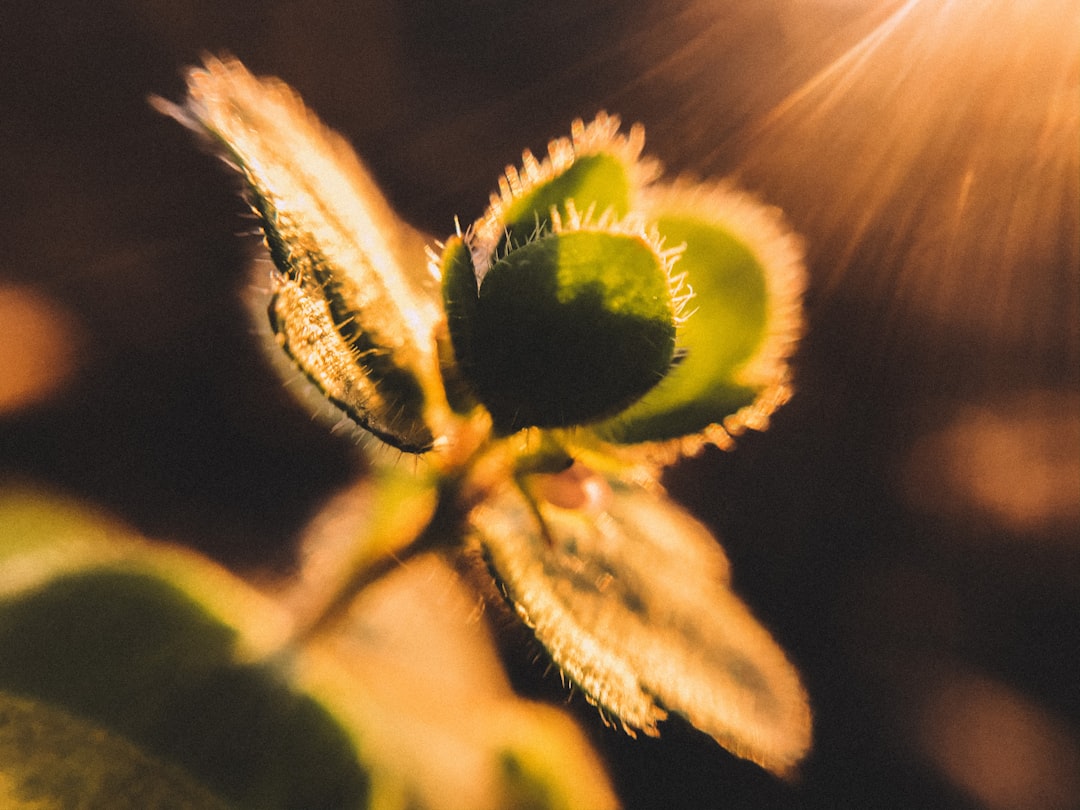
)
(567, 329)
(599, 180)
(745, 269)
(597, 169)
(459, 292)
(352, 301)
(631, 598)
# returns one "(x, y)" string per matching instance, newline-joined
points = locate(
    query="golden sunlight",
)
(941, 151)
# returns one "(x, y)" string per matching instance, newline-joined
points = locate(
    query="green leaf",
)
(459, 292)
(745, 269)
(597, 171)
(352, 300)
(600, 180)
(50, 758)
(631, 598)
(196, 671)
(131, 652)
(568, 328)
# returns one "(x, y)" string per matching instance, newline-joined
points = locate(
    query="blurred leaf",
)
(157, 645)
(630, 596)
(445, 726)
(356, 537)
(194, 668)
(30, 521)
(50, 759)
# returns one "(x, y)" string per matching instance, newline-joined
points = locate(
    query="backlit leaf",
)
(568, 328)
(745, 269)
(631, 598)
(598, 169)
(352, 300)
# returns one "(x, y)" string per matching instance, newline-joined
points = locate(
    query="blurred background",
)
(909, 529)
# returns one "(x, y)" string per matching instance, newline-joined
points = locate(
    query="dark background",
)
(909, 528)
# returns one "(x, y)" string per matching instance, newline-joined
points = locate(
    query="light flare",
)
(934, 167)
